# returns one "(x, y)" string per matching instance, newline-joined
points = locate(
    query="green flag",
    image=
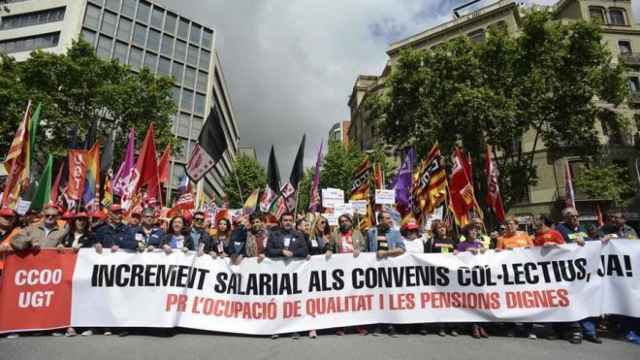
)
(33, 128)
(43, 194)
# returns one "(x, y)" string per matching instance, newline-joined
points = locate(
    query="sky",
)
(290, 65)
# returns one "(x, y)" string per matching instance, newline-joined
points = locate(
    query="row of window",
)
(30, 43)
(158, 18)
(151, 39)
(616, 16)
(34, 18)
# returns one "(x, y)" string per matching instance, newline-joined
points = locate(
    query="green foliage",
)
(609, 182)
(251, 176)
(304, 189)
(78, 88)
(338, 166)
(516, 93)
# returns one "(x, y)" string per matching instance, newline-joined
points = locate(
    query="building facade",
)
(621, 35)
(340, 132)
(140, 34)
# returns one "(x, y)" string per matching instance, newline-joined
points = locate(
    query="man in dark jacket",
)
(202, 242)
(286, 242)
(147, 235)
(115, 234)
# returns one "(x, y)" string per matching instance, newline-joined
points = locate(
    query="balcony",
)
(630, 59)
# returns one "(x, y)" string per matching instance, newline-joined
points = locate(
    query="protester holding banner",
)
(115, 234)
(346, 239)
(238, 244)
(545, 234)
(202, 242)
(177, 237)
(288, 243)
(616, 227)
(441, 242)
(8, 230)
(222, 237)
(257, 237)
(147, 235)
(79, 234)
(45, 235)
(473, 245)
(320, 238)
(414, 242)
(513, 238)
(571, 229)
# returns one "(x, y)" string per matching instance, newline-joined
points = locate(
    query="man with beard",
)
(256, 238)
(115, 234)
(288, 243)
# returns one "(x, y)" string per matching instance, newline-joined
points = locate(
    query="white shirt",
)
(414, 246)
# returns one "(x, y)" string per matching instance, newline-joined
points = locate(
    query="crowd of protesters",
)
(303, 237)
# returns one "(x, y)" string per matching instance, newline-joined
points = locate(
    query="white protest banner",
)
(332, 218)
(385, 197)
(345, 208)
(557, 284)
(332, 197)
(359, 206)
(22, 206)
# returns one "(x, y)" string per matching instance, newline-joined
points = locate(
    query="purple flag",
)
(120, 181)
(403, 182)
(314, 200)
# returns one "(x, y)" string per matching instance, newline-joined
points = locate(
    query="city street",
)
(352, 347)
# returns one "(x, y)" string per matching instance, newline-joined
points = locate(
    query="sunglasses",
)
(51, 215)
(198, 219)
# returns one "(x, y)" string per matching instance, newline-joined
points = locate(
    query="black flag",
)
(212, 143)
(298, 171)
(273, 174)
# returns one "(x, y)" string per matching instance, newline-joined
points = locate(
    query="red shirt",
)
(549, 236)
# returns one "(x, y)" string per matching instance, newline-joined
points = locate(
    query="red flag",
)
(163, 165)
(461, 188)
(569, 195)
(147, 166)
(599, 217)
(77, 174)
(55, 190)
(494, 197)
(378, 177)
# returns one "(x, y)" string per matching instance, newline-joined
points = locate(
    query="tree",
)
(78, 89)
(304, 189)
(338, 166)
(516, 93)
(606, 181)
(249, 175)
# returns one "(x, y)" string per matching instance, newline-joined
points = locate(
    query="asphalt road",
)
(352, 347)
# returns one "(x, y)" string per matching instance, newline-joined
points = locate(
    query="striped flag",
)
(430, 182)
(17, 162)
(92, 179)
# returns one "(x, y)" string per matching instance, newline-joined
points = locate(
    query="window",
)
(167, 45)
(139, 35)
(124, 30)
(120, 52)
(190, 77)
(205, 58)
(634, 85)
(153, 42)
(187, 100)
(476, 36)
(30, 43)
(113, 5)
(170, 23)
(34, 18)
(177, 71)
(203, 79)
(135, 58)
(144, 8)
(192, 57)
(129, 8)
(164, 66)
(625, 47)
(104, 47)
(207, 38)
(109, 20)
(184, 121)
(196, 126)
(180, 51)
(156, 17)
(183, 28)
(200, 100)
(99, 2)
(596, 13)
(150, 60)
(175, 94)
(178, 170)
(89, 36)
(617, 16)
(92, 17)
(194, 36)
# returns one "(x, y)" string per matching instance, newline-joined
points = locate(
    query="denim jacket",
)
(394, 239)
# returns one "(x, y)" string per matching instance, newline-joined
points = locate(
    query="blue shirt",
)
(393, 238)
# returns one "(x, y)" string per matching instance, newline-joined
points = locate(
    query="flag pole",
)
(235, 172)
(295, 212)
